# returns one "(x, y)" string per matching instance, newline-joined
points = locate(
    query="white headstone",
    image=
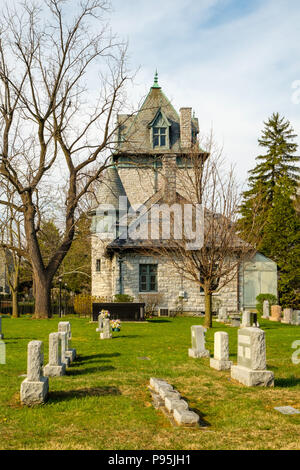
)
(65, 326)
(64, 347)
(35, 388)
(55, 367)
(287, 316)
(106, 332)
(222, 314)
(251, 368)
(198, 342)
(266, 309)
(247, 319)
(221, 361)
(296, 317)
(100, 323)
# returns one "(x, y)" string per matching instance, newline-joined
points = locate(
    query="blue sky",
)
(233, 61)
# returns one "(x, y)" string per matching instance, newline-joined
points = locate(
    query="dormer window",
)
(159, 136)
(160, 131)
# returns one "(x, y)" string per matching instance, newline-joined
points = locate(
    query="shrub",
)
(260, 300)
(123, 298)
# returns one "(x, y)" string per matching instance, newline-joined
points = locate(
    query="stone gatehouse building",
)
(151, 152)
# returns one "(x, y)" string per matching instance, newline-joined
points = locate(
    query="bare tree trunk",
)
(42, 307)
(15, 309)
(208, 308)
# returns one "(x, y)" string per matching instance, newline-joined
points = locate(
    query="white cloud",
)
(234, 69)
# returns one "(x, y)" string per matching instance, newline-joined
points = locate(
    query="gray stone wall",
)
(170, 284)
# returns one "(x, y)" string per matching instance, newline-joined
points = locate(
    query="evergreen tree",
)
(280, 160)
(281, 242)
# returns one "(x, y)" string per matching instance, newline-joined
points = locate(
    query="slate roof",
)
(134, 131)
(111, 188)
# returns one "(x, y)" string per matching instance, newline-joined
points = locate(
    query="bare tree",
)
(57, 115)
(12, 243)
(206, 182)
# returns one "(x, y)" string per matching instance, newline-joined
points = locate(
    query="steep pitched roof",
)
(134, 131)
(111, 188)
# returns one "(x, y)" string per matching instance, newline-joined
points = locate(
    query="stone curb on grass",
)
(173, 403)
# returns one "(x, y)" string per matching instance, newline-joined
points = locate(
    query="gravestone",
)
(275, 313)
(247, 319)
(198, 342)
(35, 388)
(106, 332)
(251, 368)
(296, 317)
(266, 309)
(100, 323)
(287, 410)
(64, 347)
(2, 352)
(55, 367)
(287, 316)
(221, 361)
(222, 314)
(65, 326)
(235, 321)
(1, 334)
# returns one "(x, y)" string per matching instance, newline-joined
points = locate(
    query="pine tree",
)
(280, 160)
(281, 242)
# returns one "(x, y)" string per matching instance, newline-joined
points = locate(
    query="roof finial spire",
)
(155, 84)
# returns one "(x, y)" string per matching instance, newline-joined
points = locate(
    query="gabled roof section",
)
(160, 116)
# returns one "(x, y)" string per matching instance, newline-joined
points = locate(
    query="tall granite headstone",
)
(251, 368)
(35, 388)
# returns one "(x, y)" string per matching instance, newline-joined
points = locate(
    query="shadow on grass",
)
(291, 381)
(95, 356)
(202, 421)
(159, 321)
(89, 370)
(126, 336)
(82, 393)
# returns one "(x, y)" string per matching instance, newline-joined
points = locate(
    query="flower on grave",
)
(115, 324)
(104, 314)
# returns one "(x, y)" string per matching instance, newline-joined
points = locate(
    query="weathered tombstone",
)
(235, 321)
(2, 352)
(222, 314)
(35, 388)
(1, 334)
(65, 326)
(100, 323)
(287, 316)
(296, 317)
(275, 313)
(64, 347)
(106, 332)
(266, 309)
(55, 367)
(221, 361)
(247, 319)
(251, 368)
(198, 342)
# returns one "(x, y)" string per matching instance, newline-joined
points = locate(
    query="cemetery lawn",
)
(103, 402)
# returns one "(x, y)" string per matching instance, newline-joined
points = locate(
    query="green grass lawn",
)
(103, 402)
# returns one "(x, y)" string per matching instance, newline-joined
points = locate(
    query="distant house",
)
(152, 143)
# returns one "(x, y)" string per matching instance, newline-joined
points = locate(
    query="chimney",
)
(185, 127)
(169, 174)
